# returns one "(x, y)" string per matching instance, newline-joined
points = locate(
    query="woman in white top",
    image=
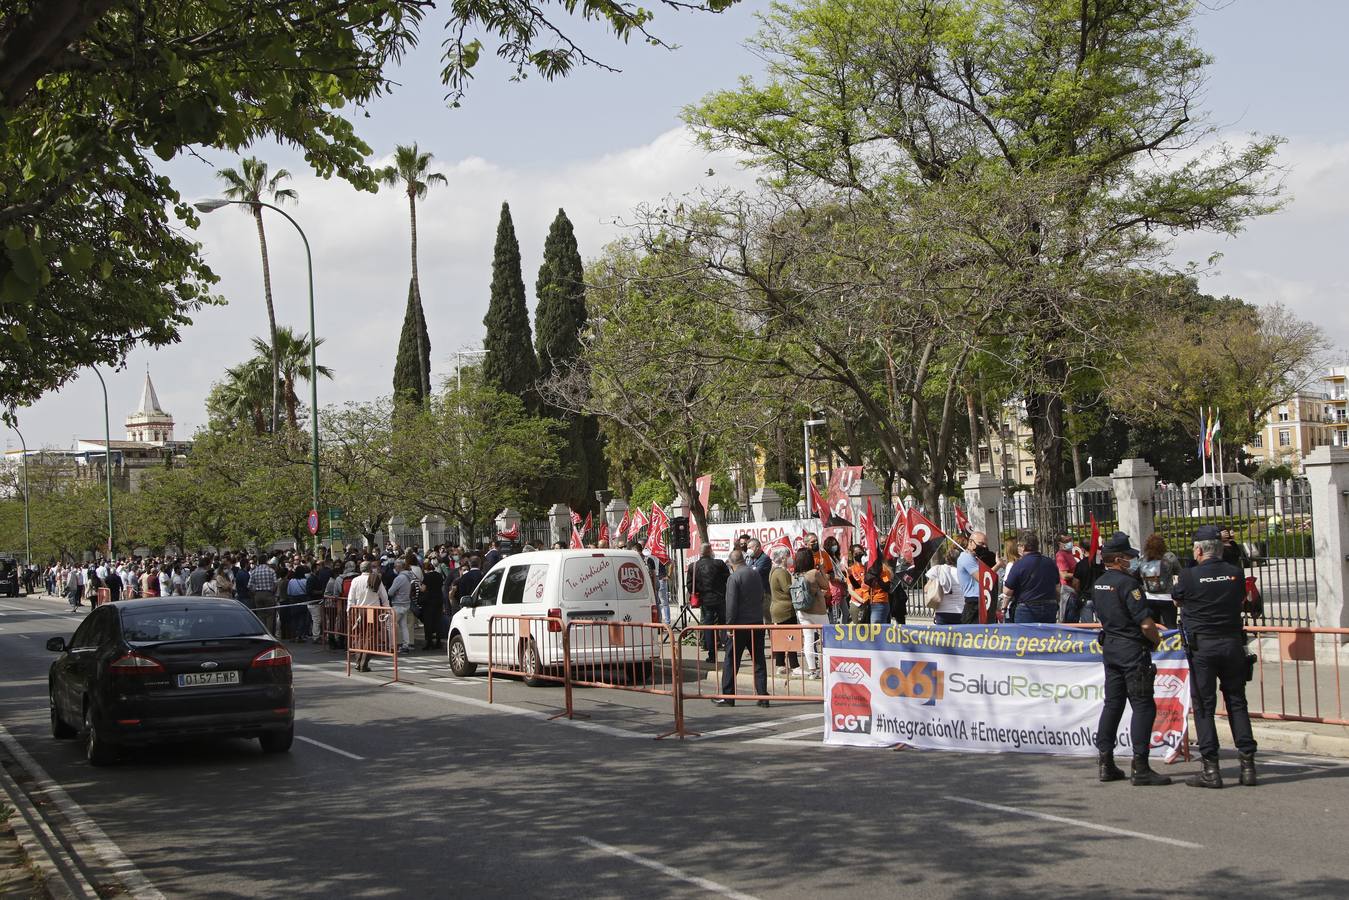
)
(948, 579)
(367, 589)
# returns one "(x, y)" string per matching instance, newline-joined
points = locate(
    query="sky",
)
(598, 144)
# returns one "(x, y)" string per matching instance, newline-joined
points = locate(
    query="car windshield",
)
(150, 625)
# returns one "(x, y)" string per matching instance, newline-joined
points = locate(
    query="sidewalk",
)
(18, 876)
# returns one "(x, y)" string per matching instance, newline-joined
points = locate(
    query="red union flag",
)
(603, 536)
(818, 506)
(575, 539)
(988, 583)
(511, 533)
(1095, 539)
(869, 535)
(621, 532)
(636, 524)
(898, 536)
(840, 483)
(588, 526)
(655, 535)
(962, 522)
(922, 536)
(575, 518)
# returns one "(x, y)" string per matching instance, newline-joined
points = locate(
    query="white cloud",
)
(361, 271)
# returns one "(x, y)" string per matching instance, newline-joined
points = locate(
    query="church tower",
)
(149, 424)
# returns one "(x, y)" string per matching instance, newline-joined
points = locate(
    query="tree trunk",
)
(1077, 464)
(423, 372)
(291, 402)
(974, 432)
(271, 316)
(1045, 412)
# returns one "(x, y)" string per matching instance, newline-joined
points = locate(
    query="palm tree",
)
(251, 185)
(410, 170)
(293, 353)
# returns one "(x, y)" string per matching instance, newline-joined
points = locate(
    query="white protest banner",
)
(986, 688)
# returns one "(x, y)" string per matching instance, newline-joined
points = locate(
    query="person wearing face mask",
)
(1066, 561)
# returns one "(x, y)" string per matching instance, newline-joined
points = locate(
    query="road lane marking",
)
(1108, 829)
(116, 861)
(483, 704)
(329, 747)
(754, 726)
(814, 731)
(711, 887)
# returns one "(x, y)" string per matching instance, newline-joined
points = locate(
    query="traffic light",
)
(679, 533)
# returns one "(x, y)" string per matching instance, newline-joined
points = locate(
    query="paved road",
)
(422, 789)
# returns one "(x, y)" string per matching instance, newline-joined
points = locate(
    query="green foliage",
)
(509, 365)
(791, 498)
(412, 368)
(649, 491)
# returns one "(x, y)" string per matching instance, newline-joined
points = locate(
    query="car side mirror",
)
(468, 602)
(56, 644)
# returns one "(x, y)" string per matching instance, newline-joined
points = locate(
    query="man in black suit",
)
(744, 606)
(709, 583)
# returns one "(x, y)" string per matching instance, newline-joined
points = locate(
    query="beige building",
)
(1298, 426)
(1337, 405)
(1007, 452)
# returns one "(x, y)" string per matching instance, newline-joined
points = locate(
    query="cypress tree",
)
(558, 320)
(408, 372)
(509, 365)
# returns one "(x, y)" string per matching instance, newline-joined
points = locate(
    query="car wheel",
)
(60, 730)
(530, 667)
(97, 749)
(277, 741)
(459, 662)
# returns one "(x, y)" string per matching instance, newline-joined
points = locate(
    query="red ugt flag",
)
(818, 506)
(603, 536)
(588, 525)
(962, 522)
(621, 533)
(869, 535)
(1095, 539)
(575, 519)
(575, 538)
(655, 536)
(988, 583)
(636, 524)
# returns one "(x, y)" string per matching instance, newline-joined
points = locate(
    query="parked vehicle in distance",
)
(600, 586)
(10, 581)
(142, 671)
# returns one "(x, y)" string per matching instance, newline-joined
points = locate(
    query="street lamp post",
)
(212, 205)
(805, 431)
(107, 456)
(27, 539)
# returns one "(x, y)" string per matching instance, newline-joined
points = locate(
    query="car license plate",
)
(197, 679)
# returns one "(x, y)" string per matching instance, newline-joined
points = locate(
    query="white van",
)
(608, 586)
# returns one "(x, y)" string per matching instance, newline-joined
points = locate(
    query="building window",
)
(1030, 472)
(1284, 437)
(1258, 441)
(983, 455)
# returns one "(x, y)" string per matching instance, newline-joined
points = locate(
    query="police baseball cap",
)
(1119, 543)
(1208, 533)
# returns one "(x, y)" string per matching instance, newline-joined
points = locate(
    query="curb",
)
(25, 822)
(1291, 740)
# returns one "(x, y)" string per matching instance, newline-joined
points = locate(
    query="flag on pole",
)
(1217, 425)
(655, 536)
(922, 540)
(588, 526)
(603, 536)
(636, 524)
(575, 539)
(895, 540)
(818, 506)
(1095, 546)
(1201, 436)
(511, 533)
(621, 533)
(962, 523)
(575, 519)
(988, 583)
(1208, 434)
(869, 536)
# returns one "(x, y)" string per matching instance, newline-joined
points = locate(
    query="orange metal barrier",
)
(333, 619)
(371, 632)
(532, 648)
(625, 656)
(1300, 687)
(796, 684)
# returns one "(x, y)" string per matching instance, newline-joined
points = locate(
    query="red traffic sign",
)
(313, 521)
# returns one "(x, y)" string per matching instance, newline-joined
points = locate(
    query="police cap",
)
(1207, 533)
(1119, 543)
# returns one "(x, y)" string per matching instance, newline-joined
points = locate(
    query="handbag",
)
(932, 593)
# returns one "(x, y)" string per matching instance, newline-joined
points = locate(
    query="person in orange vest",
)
(869, 587)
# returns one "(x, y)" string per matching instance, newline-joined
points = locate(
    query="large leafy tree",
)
(558, 321)
(253, 183)
(1091, 108)
(96, 255)
(509, 364)
(412, 170)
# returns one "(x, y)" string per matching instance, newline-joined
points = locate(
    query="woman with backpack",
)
(810, 594)
(1158, 569)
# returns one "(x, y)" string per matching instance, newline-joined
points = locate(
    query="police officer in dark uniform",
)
(1128, 637)
(1209, 596)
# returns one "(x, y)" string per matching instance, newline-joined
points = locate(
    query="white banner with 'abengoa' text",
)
(986, 688)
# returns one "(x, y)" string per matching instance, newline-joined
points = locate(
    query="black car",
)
(9, 576)
(141, 671)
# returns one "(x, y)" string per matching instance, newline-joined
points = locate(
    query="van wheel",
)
(97, 749)
(459, 663)
(530, 666)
